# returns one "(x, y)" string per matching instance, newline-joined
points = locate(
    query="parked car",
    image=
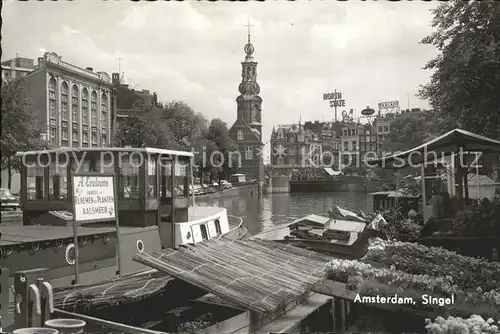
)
(196, 189)
(207, 189)
(225, 185)
(215, 184)
(8, 200)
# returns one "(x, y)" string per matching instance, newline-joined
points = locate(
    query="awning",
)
(451, 142)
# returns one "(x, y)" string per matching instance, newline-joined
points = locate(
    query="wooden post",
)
(6, 316)
(75, 242)
(342, 315)
(422, 185)
(191, 175)
(172, 189)
(334, 314)
(118, 239)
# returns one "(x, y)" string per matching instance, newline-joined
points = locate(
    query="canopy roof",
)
(147, 150)
(451, 142)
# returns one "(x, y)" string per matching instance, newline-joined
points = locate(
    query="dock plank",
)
(291, 321)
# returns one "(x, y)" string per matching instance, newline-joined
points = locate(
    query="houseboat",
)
(152, 205)
(343, 233)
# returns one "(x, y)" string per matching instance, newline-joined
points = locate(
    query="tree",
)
(217, 139)
(21, 129)
(465, 84)
(411, 129)
(175, 126)
(186, 126)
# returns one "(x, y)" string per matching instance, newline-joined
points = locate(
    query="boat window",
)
(204, 233)
(106, 165)
(166, 178)
(58, 181)
(217, 227)
(85, 166)
(152, 187)
(129, 176)
(181, 178)
(34, 183)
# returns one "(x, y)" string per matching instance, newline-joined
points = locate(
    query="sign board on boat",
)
(94, 198)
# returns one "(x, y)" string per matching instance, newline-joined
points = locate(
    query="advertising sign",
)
(388, 105)
(94, 198)
(335, 99)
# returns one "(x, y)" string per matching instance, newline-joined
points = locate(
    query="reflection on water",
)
(270, 210)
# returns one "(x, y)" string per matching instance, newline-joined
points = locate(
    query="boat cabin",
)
(152, 188)
(390, 200)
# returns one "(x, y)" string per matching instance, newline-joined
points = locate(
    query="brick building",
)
(17, 68)
(73, 102)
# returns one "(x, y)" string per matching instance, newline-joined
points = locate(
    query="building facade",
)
(246, 132)
(17, 68)
(382, 126)
(329, 136)
(74, 103)
(349, 145)
(128, 101)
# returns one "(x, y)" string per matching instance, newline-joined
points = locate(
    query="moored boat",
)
(344, 233)
(152, 206)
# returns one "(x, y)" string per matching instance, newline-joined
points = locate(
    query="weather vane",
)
(248, 25)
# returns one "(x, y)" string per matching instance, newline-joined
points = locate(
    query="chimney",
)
(115, 77)
(89, 69)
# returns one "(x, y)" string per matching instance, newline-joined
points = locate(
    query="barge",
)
(152, 206)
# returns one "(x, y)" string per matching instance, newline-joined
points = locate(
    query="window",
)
(362, 139)
(52, 84)
(204, 232)
(104, 140)
(104, 110)
(58, 181)
(34, 183)
(93, 108)
(386, 128)
(74, 104)
(94, 138)
(240, 135)
(217, 227)
(380, 129)
(64, 134)
(129, 177)
(85, 106)
(345, 133)
(346, 146)
(152, 187)
(53, 132)
(85, 136)
(166, 179)
(52, 108)
(74, 135)
(248, 153)
(52, 97)
(181, 178)
(354, 145)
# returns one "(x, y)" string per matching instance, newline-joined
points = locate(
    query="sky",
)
(192, 51)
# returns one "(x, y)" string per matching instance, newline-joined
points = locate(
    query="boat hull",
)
(334, 186)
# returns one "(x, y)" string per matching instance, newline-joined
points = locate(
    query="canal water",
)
(270, 210)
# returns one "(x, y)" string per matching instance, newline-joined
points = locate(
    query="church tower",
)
(249, 103)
